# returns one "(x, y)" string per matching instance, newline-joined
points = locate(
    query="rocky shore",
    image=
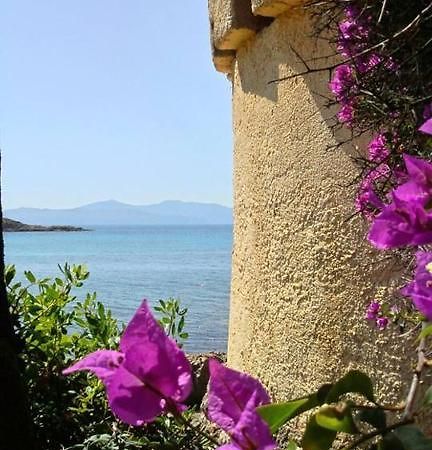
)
(15, 226)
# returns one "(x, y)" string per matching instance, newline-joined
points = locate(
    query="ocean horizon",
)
(129, 263)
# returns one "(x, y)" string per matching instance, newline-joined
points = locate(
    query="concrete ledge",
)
(232, 23)
(273, 8)
(223, 60)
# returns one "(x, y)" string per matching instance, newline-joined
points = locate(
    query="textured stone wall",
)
(302, 272)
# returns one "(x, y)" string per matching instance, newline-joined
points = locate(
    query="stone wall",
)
(302, 271)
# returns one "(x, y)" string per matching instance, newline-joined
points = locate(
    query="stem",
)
(421, 364)
(371, 435)
(195, 429)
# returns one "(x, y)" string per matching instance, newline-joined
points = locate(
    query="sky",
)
(110, 99)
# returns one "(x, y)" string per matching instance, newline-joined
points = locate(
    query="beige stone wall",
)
(302, 272)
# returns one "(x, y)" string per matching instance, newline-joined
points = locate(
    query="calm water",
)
(126, 264)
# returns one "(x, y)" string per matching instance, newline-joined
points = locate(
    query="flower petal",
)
(427, 127)
(251, 431)
(143, 327)
(154, 357)
(130, 400)
(103, 363)
(229, 393)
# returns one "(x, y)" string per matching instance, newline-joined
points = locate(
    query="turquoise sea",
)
(127, 264)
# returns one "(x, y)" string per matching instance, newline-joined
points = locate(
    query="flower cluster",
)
(407, 221)
(150, 376)
(352, 43)
(374, 313)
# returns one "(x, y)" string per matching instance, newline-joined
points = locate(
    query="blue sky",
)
(110, 99)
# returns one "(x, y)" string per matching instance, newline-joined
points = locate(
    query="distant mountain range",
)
(112, 212)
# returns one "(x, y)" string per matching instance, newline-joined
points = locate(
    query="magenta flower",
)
(372, 310)
(420, 289)
(427, 127)
(378, 150)
(148, 376)
(381, 323)
(346, 113)
(342, 81)
(232, 401)
(407, 220)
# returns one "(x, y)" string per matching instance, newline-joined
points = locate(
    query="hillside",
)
(116, 213)
(15, 226)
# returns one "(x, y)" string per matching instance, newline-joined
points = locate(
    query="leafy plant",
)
(173, 319)
(56, 328)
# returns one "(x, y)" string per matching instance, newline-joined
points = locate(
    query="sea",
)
(129, 263)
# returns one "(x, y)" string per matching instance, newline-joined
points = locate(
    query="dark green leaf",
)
(277, 414)
(375, 417)
(412, 438)
(336, 418)
(317, 437)
(355, 382)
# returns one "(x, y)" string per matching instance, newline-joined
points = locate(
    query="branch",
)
(421, 364)
(375, 433)
(382, 43)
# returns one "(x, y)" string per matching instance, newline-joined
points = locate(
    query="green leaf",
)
(425, 332)
(10, 272)
(316, 437)
(427, 400)
(355, 382)
(412, 438)
(277, 414)
(30, 277)
(336, 418)
(291, 446)
(375, 417)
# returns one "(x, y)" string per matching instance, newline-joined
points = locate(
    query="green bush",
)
(55, 329)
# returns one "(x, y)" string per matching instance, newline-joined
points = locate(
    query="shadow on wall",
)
(288, 57)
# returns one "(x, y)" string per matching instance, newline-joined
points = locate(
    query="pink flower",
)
(420, 289)
(378, 150)
(149, 375)
(407, 220)
(427, 127)
(381, 323)
(342, 81)
(233, 399)
(372, 310)
(346, 113)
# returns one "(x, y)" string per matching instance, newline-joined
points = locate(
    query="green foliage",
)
(341, 408)
(55, 329)
(172, 319)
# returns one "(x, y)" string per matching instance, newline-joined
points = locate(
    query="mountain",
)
(112, 212)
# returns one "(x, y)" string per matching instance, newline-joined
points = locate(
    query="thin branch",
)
(421, 364)
(384, 4)
(382, 43)
(375, 433)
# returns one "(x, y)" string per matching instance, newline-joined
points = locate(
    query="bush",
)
(56, 328)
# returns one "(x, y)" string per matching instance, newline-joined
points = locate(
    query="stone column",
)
(302, 271)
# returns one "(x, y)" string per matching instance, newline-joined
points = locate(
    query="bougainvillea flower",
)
(420, 289)
(148, 376)
(346, 113)
(342, 81)
(232, 401)
(377, 148)
(427, 127)
(381, 323)
(372, 310)
(407, 220)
